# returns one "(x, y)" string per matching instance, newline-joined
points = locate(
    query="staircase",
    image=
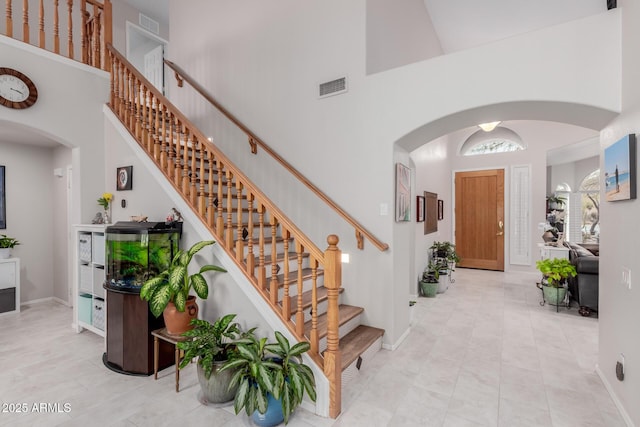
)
(300, 282)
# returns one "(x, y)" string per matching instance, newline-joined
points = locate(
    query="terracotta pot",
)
(176, 321)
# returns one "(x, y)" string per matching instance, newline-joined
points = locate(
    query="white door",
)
(154, 67)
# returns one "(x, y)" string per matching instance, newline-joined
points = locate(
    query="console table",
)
(550, 252)
(9, 285)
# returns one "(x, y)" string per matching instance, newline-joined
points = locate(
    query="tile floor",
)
(484, 353)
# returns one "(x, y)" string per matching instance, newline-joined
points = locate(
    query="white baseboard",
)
(397, 343)
(37, 301)
(61, 301)
(614, 397)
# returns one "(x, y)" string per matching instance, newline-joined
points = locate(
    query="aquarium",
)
(137, 251)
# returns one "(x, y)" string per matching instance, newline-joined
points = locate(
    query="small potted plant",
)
(212, 344)
(271, 378)
(6, 244)
(430, 279)
(555, 273)
(168, 292)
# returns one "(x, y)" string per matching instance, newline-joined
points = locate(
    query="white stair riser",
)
(351, 373)
(344, 330)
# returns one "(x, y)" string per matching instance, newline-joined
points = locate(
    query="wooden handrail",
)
(95, 27)
(254, 140)
(227, 202)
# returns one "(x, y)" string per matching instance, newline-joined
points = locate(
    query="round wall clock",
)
(16, 89)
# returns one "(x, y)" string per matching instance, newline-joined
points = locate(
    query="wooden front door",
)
(480, 219)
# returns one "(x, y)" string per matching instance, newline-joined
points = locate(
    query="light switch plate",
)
(626, 277)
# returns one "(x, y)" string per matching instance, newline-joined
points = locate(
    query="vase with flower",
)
(105, 202)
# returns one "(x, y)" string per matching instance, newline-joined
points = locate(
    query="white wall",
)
(263, 61)
(68, 110)
(123, 12)
(433, 173)
(398, 36)
(30, 216)
(61, 248)
(573, 173)
(618, 306)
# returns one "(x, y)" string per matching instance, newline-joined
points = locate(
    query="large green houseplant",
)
(555, 273)
(168, 292)
(212, 344)
(270, 376)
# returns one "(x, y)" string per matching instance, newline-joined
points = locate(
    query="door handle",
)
(501, 228)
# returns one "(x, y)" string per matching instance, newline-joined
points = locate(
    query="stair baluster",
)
(229, 205)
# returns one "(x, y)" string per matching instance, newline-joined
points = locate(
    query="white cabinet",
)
(89, 308)
(550, 252)
(9, 286)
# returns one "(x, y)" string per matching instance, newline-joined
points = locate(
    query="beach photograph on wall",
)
(620, 169)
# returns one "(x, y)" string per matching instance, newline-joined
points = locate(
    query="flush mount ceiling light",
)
(488, 127)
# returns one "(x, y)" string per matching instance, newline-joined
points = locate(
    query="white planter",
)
(443, 283)
(5, 253)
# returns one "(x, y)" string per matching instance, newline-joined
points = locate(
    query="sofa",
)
(584, 287)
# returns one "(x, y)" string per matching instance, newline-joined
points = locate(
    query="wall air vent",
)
(334, 87)
(149, 24)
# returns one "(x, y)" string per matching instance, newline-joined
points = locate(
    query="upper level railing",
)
(86, 27)
(254, 141)
(274, 254)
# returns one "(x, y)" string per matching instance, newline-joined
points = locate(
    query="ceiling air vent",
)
(149, 24)
(334, 87)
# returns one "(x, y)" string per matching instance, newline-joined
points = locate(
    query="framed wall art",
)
(430, 212)
(620, 169)
(403, 193)
(3, 207)
(419, 208)
(440, 210)
(124, 178)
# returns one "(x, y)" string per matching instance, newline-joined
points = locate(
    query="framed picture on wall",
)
(403, 193)
(440, 210)
(419, 208)
(124, 178)
(620, 169)
(430, 212)
(3, 208)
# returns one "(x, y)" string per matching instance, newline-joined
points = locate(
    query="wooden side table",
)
(162, 334)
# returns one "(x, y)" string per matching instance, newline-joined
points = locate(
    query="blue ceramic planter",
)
(272, 417)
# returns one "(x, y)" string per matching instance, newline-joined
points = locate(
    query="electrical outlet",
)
(626, 277)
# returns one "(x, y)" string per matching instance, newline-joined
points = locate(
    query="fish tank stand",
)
(135, 252)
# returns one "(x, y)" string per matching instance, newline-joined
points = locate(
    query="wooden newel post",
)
(332, 356)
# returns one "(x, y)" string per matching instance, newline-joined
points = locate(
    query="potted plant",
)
(555, 202)
(168, 292)
(445, 251)
(430, 279)
(271, 378)
(6, 244)
(212, 344)
(555, 273)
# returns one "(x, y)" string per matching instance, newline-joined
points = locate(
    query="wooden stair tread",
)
(293, 275)
(306, 298)
(347, 312)
(256, 240)
(357, 342)
(280, 257)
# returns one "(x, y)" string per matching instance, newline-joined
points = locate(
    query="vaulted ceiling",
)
(459, 24)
